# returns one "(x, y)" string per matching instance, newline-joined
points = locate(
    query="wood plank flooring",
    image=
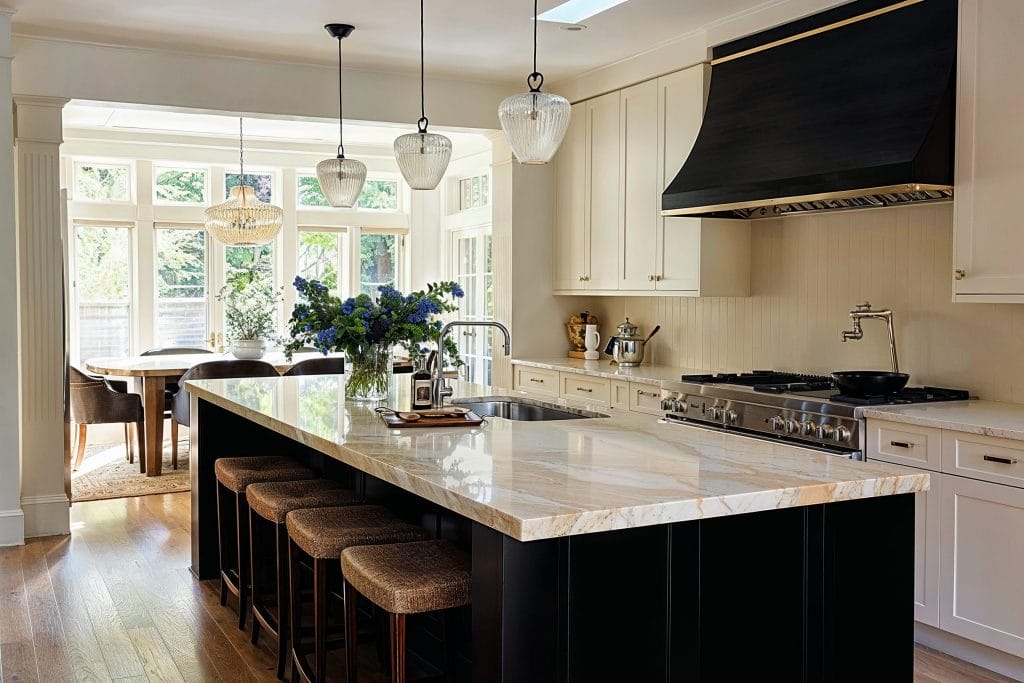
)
(116, 602)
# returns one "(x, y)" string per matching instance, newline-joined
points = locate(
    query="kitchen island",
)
(611, 549)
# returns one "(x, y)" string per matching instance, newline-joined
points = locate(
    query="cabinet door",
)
(926, 552)
(570, 262)
(603, 172)
(988, 241)
(641, 199)
(980, 596)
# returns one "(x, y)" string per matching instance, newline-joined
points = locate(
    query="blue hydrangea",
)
(301, 311)
(299, 283)
(348, 306)
(457, 291)
(326, 338)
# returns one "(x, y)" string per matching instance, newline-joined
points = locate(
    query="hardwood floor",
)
(116, 601)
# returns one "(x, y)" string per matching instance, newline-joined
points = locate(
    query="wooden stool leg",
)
(283, 599)
(397, 648)
(242, 536)
(449, 632)
(295, 604)
(351, 598)
(254, 551)
(320, 599)
(222, 548)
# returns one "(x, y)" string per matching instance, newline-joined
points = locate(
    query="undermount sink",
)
(522, 409)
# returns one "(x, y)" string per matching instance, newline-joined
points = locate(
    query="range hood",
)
(850, 108)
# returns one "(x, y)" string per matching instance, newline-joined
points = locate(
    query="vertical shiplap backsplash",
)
(809, 271)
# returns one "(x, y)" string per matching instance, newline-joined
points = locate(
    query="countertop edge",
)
(895, 414)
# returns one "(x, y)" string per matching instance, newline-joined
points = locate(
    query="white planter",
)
(248, 349)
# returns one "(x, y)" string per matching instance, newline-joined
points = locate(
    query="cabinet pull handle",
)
(539, 381)
(1000, 460)
(589, 391)
(901, 444)
(959, 274)
(640, 392)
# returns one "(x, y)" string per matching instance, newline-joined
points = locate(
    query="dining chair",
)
(94, 401)
(169, 392)
(318, 366)
(214, 369)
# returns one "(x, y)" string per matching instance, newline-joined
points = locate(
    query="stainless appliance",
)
(802, 409)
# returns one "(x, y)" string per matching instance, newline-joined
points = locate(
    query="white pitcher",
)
(592, 340)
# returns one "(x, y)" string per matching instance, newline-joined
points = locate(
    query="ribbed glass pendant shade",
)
(243, 220)
(423, 158)
(534, 123)
(341, 180)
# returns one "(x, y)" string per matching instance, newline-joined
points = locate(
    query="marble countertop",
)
(536, 480)
(991, 418)
(648, 374)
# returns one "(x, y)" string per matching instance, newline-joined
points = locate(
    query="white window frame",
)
(97, 161)
(75, 350)
(211, 295)
(159, 166)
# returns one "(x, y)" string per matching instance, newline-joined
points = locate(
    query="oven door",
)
(838, 451)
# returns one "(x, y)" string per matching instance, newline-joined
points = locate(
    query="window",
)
(379, 195)
(179, 185)
(378, 261)
(249, 264)
(263, 183)
(181, 287)
(102, 290)
(322, 256)
(103, 182)
(473, 270)
(474, 192)
(309, 192)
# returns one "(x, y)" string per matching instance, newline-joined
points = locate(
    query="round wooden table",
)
(154, 372)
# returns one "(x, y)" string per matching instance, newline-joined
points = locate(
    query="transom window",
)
(474, 192)
(180, 185)
(100, 182)
(378, 194)
(263, 183)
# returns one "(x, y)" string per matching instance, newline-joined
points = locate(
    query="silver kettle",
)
(627, 346)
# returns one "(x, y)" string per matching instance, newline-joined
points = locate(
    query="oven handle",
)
(850, 453)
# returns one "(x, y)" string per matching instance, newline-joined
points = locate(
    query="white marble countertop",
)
(648, 374)
(991, 418)
(536, 480)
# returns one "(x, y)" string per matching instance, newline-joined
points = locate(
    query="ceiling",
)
(485, 40)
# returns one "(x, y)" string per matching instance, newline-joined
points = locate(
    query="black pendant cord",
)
(241, 154)
(341, 109)
(421, 125)
(536, 79)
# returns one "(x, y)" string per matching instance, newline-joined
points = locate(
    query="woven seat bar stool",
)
(269, 504)
(409, 578)
(234, 475)
(321, 534)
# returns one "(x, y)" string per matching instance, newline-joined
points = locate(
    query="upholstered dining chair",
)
(318, 366)
(214, 369)
(93, 401)
(170, 391)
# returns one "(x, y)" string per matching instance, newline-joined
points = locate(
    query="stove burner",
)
(905, 396)
(766, 380)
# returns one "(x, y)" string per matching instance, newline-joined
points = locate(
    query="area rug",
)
(106, 473)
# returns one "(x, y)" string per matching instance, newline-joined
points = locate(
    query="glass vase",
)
(369, 373)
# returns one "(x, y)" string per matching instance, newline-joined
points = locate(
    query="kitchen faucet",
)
(439, 387)
(863, 311)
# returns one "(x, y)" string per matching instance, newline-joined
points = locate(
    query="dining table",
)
(152, 374)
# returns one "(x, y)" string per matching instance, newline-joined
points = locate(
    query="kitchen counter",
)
(538, 480)
(647, 374)
(991, 418)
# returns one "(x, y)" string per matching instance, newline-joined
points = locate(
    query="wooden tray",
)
(470, 419)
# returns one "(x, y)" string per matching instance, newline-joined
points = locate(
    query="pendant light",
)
(243, 220)
(341, 179)
(422, 157)
(534, 122)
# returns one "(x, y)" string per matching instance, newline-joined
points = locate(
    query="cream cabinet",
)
(982, 540)
(538, 381)
(610, 236)
(988, 253)
(926, 552)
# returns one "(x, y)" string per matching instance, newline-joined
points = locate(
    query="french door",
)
(472, 268)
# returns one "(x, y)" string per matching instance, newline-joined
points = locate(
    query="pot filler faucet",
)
(863, 311)
(439, 387)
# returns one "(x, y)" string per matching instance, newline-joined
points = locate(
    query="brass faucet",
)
(862, 311)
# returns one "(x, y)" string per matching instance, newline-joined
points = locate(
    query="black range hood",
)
(850, 108)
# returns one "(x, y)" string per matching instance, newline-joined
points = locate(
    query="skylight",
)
(575, 11)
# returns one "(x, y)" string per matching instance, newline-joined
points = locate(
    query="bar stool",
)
(269, 504)
(233, 476)
(321, 534)
(408, 578)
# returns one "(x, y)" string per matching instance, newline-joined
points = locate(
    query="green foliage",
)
(102, 182)
(187, 186)
(309, 192)
(250, 310)
(247, 265)
(181, 263)
(262, 183)
(318, 257)
(377, 260)
(378, 194)
(101, 263)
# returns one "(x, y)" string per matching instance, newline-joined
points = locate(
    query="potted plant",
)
(250, 310)
(367, 329)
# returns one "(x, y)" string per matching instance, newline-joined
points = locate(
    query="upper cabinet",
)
(988, 252)
(622, 149)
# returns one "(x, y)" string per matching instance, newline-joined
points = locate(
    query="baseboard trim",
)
(46, 515)
(968, 650)
(12, 527)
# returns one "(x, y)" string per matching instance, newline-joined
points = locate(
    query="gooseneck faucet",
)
(439, 387)
(863, 311)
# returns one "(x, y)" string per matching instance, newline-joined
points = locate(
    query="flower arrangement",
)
(250, 310)
(366, 329)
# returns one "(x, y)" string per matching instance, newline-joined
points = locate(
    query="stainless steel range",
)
(798, 408)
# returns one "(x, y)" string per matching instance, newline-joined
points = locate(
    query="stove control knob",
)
(808, 428)
(680, 406)
(666, 404)
(730, 417)
(777, 423)
(715, 413)
(826, 431)
(792, 426)
(842, 434)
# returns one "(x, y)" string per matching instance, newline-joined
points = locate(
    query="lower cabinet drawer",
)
(645, 398)
(535, 380)
(983, 457)
(583, 388)
(904, 444)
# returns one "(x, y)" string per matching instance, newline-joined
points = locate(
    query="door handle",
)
(901, 444)
(999, 459)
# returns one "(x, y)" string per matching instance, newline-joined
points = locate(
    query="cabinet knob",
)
(959, 274)
(650, 278)
(658, 278)
(586, 278)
